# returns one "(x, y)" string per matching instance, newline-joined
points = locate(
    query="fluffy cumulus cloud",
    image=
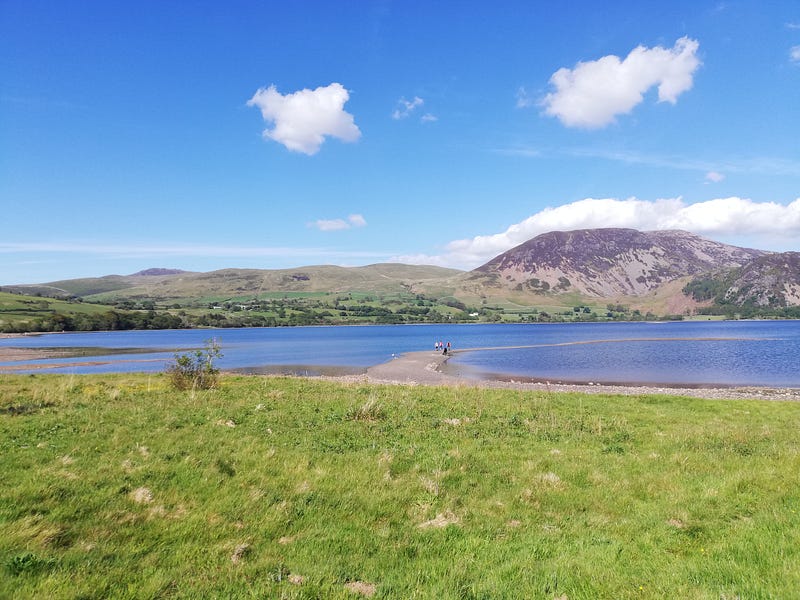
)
(714, 177)
(593, 93)
(339, 224)
(303, 119)
(723, 218)
(794, 54)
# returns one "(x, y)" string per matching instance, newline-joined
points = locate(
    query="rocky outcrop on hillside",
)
(606, 263)
(770, 281)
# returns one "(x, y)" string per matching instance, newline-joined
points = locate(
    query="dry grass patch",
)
(142, 495)
(370, 411)
(240, 552)
(361, 587)
(440, 521)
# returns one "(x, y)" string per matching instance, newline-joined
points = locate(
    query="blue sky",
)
(208, 135)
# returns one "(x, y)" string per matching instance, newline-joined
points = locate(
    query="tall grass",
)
(118, 486)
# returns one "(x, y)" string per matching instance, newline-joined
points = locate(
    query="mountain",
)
(768, 281)
(661, 272)
(608, 263)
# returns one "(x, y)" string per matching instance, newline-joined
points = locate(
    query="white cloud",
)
(593, 93)
(330, 224)
(303, 119)
(718, 218)
(406, 107)
(357, 220)
(714, 177)
(794, 54)
(339, 224)
(428, 118)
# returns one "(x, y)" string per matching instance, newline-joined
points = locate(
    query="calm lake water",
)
(696, 352)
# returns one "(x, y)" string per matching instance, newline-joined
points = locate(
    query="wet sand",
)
(26, 354)
(425, 368)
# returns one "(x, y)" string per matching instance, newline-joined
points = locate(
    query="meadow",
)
(119, 487)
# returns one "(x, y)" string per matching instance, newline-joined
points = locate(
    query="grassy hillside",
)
(386, 284)
(116, 486)
(19, 310)
(382, 278)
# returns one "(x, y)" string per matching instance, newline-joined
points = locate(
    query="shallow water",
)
(695, 352)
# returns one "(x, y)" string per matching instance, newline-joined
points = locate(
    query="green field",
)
(118, 487)
(16, 309)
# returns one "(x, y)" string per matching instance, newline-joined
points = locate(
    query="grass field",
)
(118, 487)
(17, 310)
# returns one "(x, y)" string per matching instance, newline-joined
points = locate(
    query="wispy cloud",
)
(760, 165)
(593, 93)
(304, 119)
(794, 54)
(518, 151)
(406, 107)
(714, 177)
(523, 99)
(175, 250)
(339, 224)
(765, 165)
(721, 218)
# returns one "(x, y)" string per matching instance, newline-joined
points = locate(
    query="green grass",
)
(118, 487)
(16, 309)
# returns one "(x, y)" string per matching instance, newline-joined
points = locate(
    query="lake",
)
(691, 352)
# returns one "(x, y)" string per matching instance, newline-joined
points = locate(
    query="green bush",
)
(195, 370)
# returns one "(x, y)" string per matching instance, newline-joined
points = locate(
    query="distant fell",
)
(157, 271)
(656, 272)
(608, 263)
(178, 285)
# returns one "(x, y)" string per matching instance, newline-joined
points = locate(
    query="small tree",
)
(195, 370)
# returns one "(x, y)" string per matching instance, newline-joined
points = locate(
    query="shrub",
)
(195, 370)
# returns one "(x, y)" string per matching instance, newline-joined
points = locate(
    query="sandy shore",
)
(26, 354)
(425, 368)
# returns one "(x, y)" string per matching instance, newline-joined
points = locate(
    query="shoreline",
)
(426, 367)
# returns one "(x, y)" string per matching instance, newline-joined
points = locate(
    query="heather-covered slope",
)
(606, 263)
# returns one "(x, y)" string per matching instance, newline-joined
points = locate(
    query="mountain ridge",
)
(666, 272)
